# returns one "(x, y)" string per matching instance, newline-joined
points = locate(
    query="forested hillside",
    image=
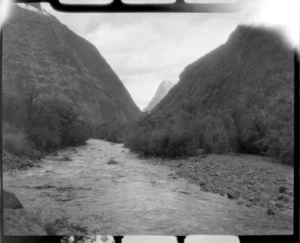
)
(237, 98)
(56, 85)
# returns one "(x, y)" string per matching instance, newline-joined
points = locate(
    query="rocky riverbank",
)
(248, 179)
(17, 220)
(65, 191)
(13, 162)
(16, 162)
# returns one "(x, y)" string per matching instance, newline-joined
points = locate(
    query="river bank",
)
(13, 162)
(103, 188)
(18, 219)
(251, 181)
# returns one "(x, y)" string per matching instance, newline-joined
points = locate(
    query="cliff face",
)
(254, 59)
(40, 51)
(161, 92)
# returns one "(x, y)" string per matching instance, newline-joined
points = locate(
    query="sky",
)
(145, 49)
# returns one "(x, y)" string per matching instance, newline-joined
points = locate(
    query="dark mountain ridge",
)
(40, 51)
(250, 58)
(237, 98)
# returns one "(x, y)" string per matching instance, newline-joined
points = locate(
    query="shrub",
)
(137, 140)
(48, 122)
(75, 133)
(12, 109)
(16, 143)
(52, 123)
(185, 136)
(178, 142)
(159, 140)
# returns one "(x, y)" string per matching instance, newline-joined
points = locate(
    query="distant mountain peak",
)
(160, 93)
(250, 58)
(167, 84)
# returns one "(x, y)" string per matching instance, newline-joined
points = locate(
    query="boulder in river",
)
(240, 203)
(233, 194)
(283, 189)
(64, 158)
(10, 201)
(279, 205)
(270, 211)
(112, 162)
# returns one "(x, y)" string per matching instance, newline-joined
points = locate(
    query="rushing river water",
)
(130, 197)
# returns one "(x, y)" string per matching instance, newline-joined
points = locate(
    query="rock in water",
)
(233, 195)
(270, 212)
(66, 158)
(112, 162)
(282, 189)
(10, 201)
(240, 203)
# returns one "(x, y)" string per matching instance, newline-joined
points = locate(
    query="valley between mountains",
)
(212, 154)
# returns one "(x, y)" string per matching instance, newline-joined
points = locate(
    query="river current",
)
(129, 198)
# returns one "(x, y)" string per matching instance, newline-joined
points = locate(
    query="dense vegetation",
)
(110, 131)
(238, 98)
(38, 123)
(56, 86)
(216, 131)
(40, 50)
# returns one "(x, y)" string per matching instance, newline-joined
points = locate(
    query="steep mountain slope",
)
(160, 93)
(237, 98)
(40, 51)
(253, 58)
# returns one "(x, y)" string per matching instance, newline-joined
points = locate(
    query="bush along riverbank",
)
(251, 181)
(36, 125)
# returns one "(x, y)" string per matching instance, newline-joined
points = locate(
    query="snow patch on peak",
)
(161, 92)
(167, 84)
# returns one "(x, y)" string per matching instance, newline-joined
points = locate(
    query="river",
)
(130, 197)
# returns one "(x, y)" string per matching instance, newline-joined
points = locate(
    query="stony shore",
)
(17, 219)
(249, 180)
(260, 185)
(15, 162)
